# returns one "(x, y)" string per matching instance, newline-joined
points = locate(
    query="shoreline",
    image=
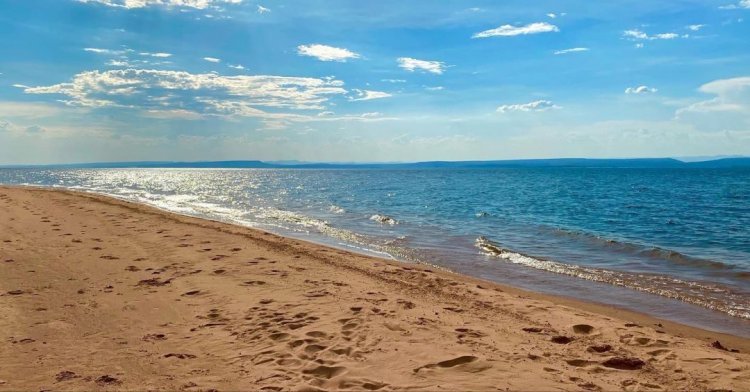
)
(600, 307)
(484, 301)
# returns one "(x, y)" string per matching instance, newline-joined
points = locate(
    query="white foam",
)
(384, 219)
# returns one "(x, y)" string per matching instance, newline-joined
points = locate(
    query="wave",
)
(384, 219)
(652, 252)
(703, 294)
(336, 209)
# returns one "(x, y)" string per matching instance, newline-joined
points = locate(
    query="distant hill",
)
(645, 163)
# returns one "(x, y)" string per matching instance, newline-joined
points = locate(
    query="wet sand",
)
(97, 293)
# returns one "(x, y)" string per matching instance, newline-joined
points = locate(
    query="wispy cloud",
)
(262, 10)
(157, 54)
(109, 52)
(393, 80)
(326, 53)
(535, 106)
(572, 50)
(411, 64)
(742, 4)
(212, 59)
(695, 27)
(237, 66)
(638, 35)
(640, 90)
(197, 4)
(510, 30)
(366, 95)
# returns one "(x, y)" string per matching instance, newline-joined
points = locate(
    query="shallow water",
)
(671, 242)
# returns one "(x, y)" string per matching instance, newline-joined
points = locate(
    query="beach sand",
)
(97, 293)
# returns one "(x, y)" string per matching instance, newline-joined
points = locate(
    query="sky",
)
(355, 81)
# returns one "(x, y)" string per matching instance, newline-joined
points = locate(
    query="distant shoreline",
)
(635, 163)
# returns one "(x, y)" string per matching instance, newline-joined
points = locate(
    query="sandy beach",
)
(98, 293)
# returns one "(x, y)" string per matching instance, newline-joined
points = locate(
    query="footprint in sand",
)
(107, 380)
(326, 372)
(583, 329)
(624, 363)
(561, 339)
(66, 375)
(253, 283)
(601, 348)
(466, 363)
(180, 356)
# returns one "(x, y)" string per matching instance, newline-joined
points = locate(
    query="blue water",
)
(664, 241)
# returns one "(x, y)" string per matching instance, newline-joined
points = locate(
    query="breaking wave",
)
(384, 219)
(698, 293)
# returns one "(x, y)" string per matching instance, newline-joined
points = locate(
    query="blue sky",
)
(120, 80)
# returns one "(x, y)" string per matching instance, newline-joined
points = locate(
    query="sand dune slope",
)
(103, 294)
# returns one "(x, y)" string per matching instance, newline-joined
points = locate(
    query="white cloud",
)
(366, 95)
(262, 9)
(238, 66)
(326, 53)
(638, 35)
(129, 4)
(742, 4)
(411, 64)
(209, 93)
(640, 90)
(731, 95)
(158, 54)
(212, 59)
(110, 52)
(393, 80)
(435, 88)
(572, 50)
(119, 63)
(536, 106)
(696, 27)
(510, 31)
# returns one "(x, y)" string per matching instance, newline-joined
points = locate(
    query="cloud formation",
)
(108, 52)
(731, 95)
(208, 93)
(536, 106)
(571, 50)
(212, 59)
(129, 4)
(366, 95)
(411, 64)
(640, 90)
(326, 53)
(158, 54)
(638, 35)
(510, 30)
(743, 4)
